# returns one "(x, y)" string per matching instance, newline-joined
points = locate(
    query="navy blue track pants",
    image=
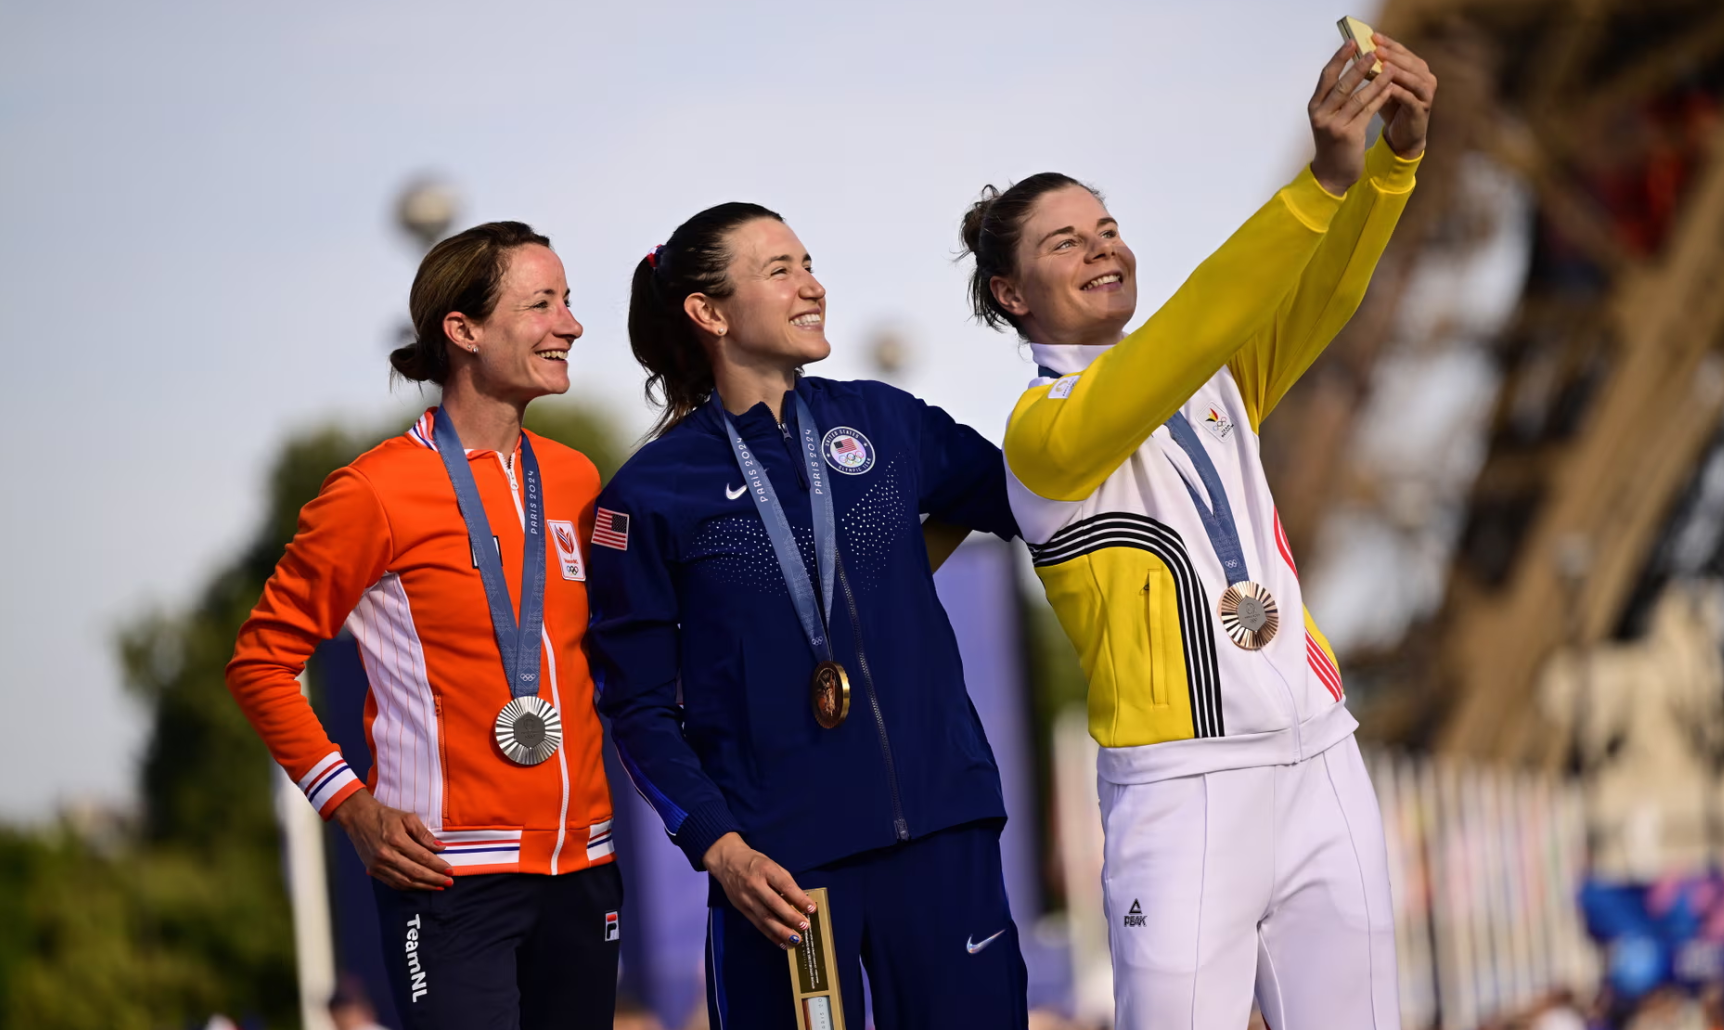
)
(505, 951)
(929, 920)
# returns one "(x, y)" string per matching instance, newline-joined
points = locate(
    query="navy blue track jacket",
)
(703, 667)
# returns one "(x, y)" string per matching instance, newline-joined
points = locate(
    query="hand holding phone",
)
(1360, 34)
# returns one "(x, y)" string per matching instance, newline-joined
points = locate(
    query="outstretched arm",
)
(1333, 283)
(1065, 438)
(961, 481)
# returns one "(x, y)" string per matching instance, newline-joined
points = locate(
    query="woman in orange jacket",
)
(452, 554)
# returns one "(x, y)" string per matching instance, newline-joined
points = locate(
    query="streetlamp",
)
(891, 353)
(425, 210)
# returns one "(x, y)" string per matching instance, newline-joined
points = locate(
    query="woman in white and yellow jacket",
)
(1244, 847)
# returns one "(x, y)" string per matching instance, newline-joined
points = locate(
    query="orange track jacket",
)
(383, 550)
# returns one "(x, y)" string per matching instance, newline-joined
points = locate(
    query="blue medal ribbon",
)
(1217, 515)
(814, 617)
(517, 641)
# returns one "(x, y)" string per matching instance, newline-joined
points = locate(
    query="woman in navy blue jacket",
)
(758, 562)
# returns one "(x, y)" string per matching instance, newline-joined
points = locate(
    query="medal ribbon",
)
(814, 617)
(1217, 515)
(517, 641)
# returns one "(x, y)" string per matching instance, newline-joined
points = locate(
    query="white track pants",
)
(1272, 879)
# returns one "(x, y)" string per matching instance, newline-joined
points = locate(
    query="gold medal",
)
(1249, 615)
(829, 694)
(529, 730)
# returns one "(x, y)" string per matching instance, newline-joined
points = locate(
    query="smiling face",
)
(1076, 280)
(522, 350)
(776, 312)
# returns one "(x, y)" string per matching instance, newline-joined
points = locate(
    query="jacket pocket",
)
(780, 719)
(1158, 594)
(1148, 650)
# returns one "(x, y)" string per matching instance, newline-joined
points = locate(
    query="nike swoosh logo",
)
(972, 946)
(738, 492)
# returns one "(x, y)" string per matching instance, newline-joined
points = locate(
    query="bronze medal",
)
(1249, 615)
(829, 695)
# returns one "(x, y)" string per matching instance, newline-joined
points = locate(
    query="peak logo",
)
(1135, 917)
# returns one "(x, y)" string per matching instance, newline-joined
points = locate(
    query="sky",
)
(198, 258)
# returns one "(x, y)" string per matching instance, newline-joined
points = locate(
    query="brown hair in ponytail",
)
(991, 230)
(696, 259)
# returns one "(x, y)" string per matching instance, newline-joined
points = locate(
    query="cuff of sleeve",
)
(329, 783)
(701, 830)
(1389, 171)
(347, 790)
(1310, 202)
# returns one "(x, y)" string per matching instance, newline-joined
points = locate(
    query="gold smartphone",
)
(1360, 33)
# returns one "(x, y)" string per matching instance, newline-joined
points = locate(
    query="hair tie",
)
(655, 258)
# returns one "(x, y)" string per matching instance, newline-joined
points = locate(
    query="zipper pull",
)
(795, 455)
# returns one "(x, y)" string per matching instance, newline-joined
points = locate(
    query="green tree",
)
(189, 915)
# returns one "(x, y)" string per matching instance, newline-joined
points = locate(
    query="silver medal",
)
(1249, 615)
(529, 730)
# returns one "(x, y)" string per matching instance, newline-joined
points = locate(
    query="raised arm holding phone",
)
(1244, 850)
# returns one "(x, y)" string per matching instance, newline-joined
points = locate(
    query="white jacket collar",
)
(1067, 358)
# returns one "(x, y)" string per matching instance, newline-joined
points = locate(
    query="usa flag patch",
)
(611, 529)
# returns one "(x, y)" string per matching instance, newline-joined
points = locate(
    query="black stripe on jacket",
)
(1124, 529)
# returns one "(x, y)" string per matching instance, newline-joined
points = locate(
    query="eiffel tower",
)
(1609, 363)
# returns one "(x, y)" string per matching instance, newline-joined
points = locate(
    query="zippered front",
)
(900, 825)
(551, 668)
(705, 666)
(1158, 693)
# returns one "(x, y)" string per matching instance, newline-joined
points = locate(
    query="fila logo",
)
(1135, 917)
(568, 549)
(415, 971)
(613, 929)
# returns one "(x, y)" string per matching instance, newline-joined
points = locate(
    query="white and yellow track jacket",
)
(1099, 489)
